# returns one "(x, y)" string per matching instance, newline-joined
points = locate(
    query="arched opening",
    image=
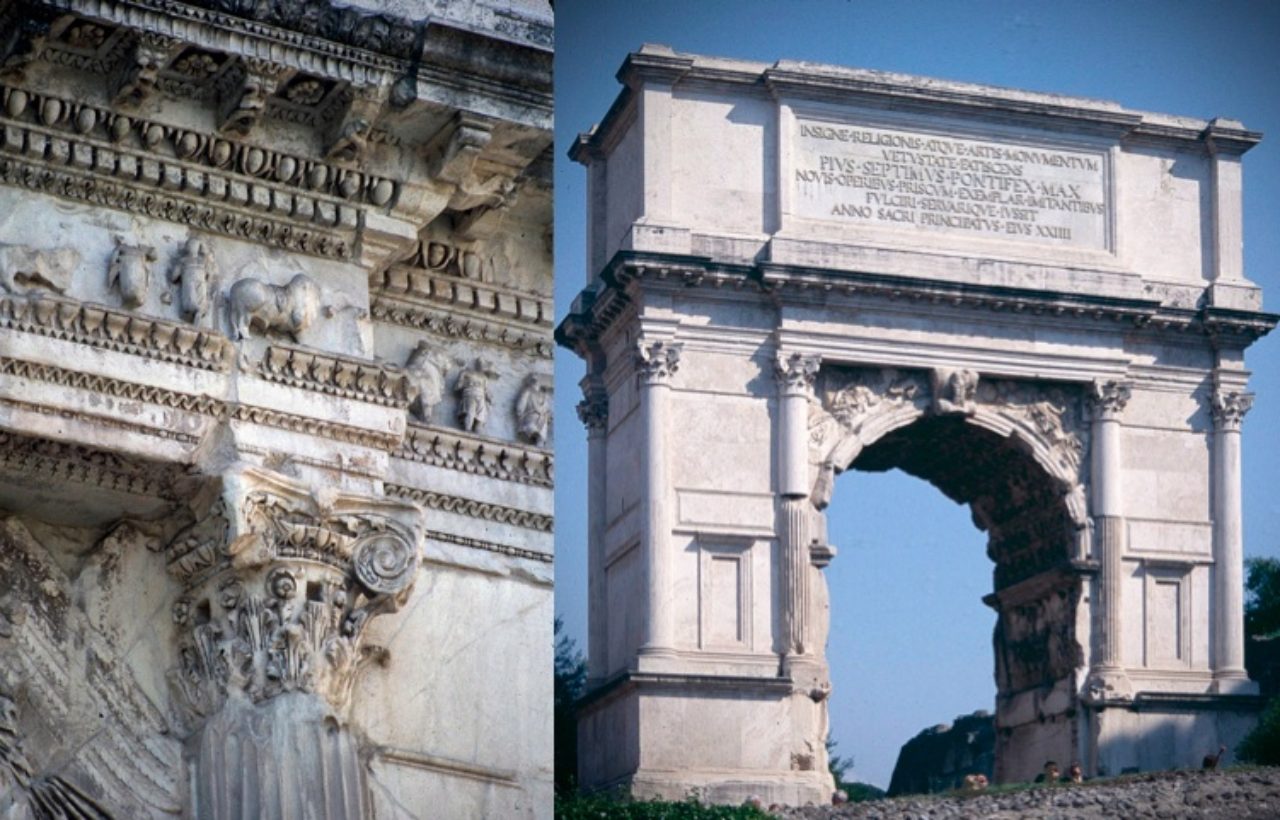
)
(906, 612)
(1032, 532)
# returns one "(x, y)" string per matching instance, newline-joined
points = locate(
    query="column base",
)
(1234, 683)
(713, 738)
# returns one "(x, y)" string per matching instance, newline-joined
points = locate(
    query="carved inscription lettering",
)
(920, 181)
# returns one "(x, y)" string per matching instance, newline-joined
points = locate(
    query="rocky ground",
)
(1233, 794)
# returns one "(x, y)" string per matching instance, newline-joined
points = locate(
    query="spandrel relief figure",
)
(129, 271)
(428, 367)
(255, 305)
(191, 274)
(24, 268)
(533, 410)
(474, 397)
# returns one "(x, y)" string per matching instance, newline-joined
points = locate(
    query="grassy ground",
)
(592, 807)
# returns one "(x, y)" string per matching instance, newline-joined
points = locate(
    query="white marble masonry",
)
(1007, 293)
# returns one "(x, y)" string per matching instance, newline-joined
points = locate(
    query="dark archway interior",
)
(1012, 498)
(1030, 538)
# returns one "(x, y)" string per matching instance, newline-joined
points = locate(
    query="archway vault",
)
(1014, 452)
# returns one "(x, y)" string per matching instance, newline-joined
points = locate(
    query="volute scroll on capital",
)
(279, 583)
(657, 362)
(1107, 398)
(1229, 407)
(796, 372)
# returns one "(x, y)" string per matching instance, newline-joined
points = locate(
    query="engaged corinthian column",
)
(795, 374)
(279, 584)
(1229, 408)
(1107, 401)
(594, 412)
(656, 363)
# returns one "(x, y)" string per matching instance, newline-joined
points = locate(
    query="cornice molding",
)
(450, 323)
(472, 508)
(110, 329)
(600, 305)
(470, 453)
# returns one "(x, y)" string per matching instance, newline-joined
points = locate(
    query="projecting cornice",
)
(597, 307)
(793, 81)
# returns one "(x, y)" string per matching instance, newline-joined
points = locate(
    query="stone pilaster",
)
(795, 374)
(594, 412)
(656, 363)
(1107, 401)
(1228, 408)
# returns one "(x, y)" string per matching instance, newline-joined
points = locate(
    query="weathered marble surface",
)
(256, 560)
(1035, 302)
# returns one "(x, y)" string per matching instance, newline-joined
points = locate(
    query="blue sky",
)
(911, 640)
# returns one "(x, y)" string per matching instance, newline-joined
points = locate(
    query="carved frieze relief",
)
(533, 410)
(849, 398)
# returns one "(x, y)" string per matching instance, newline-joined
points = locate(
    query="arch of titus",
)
(275, 360)
(1034, 302)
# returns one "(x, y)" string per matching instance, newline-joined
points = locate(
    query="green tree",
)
(570, 684)
(840, 766)
(1262, 620)
(1262, 597)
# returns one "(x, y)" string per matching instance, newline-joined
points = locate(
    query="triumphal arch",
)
(275, 361)
(1034, 302)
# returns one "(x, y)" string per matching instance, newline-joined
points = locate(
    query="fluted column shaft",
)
(796, 374)
(594, 412)
(656, 363)
(1229, 408)
(1107, 402)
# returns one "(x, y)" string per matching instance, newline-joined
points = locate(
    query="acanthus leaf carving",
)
(657, 362)
(1229, 407)
(1108, 398)
(796, 372)
(277, 595)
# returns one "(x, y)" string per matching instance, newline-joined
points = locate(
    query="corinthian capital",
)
(1229, 407)
(796, 372)
(1107, 399)
(279, 584)
(657, 362)
(593, 410)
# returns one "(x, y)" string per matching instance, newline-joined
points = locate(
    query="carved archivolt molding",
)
(472, 508)
(456, 450)
(279, 585)
(122, 331)
(857, 406)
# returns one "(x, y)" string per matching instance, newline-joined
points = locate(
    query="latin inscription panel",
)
(915, 180)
